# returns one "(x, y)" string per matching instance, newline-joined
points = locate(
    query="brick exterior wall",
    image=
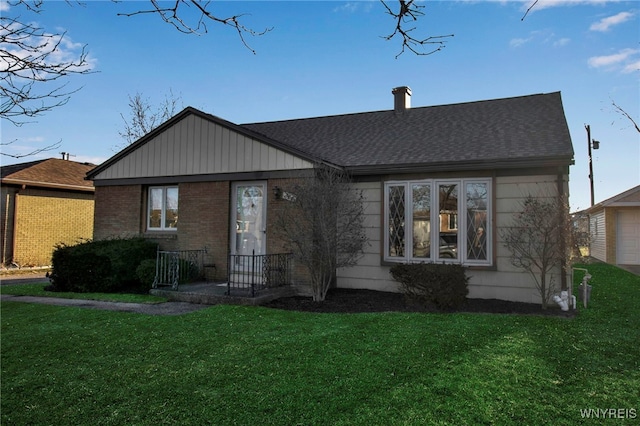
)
(300, 276)
(44, 219)
(118, 211)
(204, 210)
(204, 222)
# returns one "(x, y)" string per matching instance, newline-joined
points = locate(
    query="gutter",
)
(25, 183)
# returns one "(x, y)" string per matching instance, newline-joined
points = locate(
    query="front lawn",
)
(39, 291)
(254, 366)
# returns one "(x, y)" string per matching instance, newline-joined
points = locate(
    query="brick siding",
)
(47, 218)
(118, 211)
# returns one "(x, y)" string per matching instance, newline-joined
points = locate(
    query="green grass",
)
(37, 289)
(253, 366)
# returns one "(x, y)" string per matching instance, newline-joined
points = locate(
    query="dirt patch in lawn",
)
(357, 301)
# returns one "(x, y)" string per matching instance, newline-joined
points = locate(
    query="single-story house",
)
(446, 176)
(44, 203)
(614, 227)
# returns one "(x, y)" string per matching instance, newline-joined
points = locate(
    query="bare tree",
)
(177, 14)
(624, 113)
(143, 118)
(408, 11)
(538, 241)
(32, 61)
(323, 225)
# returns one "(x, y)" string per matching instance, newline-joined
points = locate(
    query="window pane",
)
(421, 220)
(396, 221)
(155, 207)
(171, 206)
(476, 221)
(448, 211)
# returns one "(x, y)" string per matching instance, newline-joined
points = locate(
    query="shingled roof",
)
(49, 173)
(501, 133)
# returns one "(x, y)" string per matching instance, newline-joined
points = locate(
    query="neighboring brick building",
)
(44, 203)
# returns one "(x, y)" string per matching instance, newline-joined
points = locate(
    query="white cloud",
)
(4, 6)
(561, 42)
(546, 4)
(53, 49)
(354, 6)
(620, 58)
(517, 42)
(631, 67)
(540, 36)
(606, 23)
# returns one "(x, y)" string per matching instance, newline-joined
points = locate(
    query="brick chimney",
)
(401, 98)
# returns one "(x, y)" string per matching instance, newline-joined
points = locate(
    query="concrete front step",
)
(214, 294)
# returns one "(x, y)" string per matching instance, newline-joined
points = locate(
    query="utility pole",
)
(596, 145)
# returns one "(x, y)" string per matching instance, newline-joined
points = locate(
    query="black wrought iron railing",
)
(250, 274)
(178, 267)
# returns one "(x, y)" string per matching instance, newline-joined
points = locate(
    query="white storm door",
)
(249, 218)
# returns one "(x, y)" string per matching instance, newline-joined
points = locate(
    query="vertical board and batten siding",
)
(505, 282)
(598, 233)
(195, 146)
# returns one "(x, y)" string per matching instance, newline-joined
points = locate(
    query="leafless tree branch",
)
(173, 14)
(410, 12)
(625, 114)
(30, 65)
(529, 10)
(34, 152)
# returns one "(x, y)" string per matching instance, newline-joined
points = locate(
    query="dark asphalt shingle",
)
(516, 128)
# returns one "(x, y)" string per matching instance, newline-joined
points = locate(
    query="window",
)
(438, 220)
(162, 208)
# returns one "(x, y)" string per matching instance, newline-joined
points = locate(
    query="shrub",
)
(100, 266)
(444, 285)
(146, 272)
(77, 269)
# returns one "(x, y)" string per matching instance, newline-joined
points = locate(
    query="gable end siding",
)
(194, 146)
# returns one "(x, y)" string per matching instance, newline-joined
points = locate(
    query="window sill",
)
(474, 267)
(161, 235)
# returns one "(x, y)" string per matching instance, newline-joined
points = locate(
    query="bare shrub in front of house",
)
(443, 285)
(323, 225)
(538, 241)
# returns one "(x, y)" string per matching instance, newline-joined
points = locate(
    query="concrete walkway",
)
(634, 269)
(165, 308)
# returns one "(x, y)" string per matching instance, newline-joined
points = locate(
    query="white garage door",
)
(628, 237)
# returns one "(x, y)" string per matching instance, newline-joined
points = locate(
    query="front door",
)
(249, 220)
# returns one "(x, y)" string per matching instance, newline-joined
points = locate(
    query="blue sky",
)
(326, 58)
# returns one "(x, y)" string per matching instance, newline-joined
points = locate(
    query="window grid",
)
(459, 228)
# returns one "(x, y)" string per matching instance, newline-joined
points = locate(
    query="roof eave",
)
(504, 164)
(36, 184)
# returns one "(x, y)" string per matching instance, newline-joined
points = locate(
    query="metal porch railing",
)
(249, 274)
(178, 267)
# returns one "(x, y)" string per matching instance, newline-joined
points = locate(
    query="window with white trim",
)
(162, 208)
(438, 220)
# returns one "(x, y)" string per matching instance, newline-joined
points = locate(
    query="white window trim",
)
(435, 219)
(163, 212)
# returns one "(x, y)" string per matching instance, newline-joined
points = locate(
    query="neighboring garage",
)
(614, 226)
(628, 252)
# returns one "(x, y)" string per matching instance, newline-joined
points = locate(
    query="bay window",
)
(438, 220)
(162, 208)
